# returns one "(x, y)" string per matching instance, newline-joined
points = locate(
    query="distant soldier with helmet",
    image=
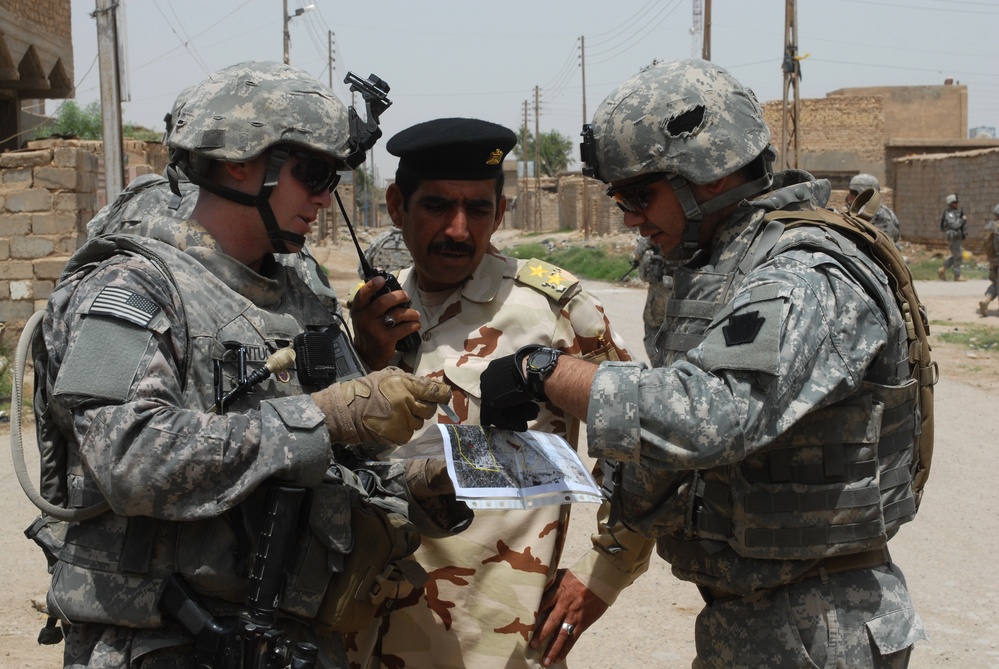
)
(884, 219)
(772, 450)
(388, 251)
(169, 381)
(990, 245)
(954, 225)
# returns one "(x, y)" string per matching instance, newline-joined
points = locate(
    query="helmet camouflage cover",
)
(240, 111)
(687, 117)
(863, 181)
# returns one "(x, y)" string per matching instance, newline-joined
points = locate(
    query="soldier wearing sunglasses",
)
(143, 335)
(774, 448)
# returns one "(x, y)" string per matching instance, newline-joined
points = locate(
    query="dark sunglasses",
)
(315, 173)
(635, 197)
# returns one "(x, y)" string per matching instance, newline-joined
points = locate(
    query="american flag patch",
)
(126, 305)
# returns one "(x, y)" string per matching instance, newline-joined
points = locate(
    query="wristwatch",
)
(541, 363)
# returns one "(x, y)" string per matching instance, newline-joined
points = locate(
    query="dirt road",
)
(945, 554)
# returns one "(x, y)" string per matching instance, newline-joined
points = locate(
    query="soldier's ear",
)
(393, 202)
(500, 210)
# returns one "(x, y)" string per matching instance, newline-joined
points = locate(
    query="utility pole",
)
(706, 50)
(332, 62)
(107, 51)
(537, 163)
(697, 30)
(522, 180)
(586, 208)
(287, 35)
(792, 77)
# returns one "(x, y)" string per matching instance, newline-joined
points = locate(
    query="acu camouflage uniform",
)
(886, 221)
(770, 449)
(482, 601)
(954, 225)
(762, 443)
(990, 246)
(656, 271)
(184, 483)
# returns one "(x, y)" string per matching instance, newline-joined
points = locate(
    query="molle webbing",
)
(855, 224)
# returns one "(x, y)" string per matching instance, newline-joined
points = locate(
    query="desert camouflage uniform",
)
(752, 450)
(183, 482)
(388, 251)
(955, 227)
(481, 604)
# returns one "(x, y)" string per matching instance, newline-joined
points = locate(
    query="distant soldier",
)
(991, 247)
(884, 219)
(954, 225)
(389, 252)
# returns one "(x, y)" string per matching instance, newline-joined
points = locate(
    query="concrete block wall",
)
(46, 198)
(924, 181)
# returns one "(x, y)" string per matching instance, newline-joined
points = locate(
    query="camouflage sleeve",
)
(149, 453)
(799, 334)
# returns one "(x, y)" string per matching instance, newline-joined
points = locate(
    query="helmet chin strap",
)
(695, 212)
(280, 239)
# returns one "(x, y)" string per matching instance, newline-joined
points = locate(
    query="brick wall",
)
(46, 198)
(51, 16)
(924, 182)
(841, 134)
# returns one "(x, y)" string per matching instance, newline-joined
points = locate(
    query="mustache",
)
(451, 247)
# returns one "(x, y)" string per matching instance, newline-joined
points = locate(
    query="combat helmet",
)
(950, 199)
(863, 181)
(252, 108)
(689, 120)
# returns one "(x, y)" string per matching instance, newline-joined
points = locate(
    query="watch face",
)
(541, 358)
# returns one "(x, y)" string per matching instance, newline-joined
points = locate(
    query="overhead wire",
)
(185, 41)
(665, 12)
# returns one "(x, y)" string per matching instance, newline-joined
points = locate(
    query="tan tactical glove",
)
(427, 478)
(386, 406)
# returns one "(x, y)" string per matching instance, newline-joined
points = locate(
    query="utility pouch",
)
(353, 563)
(377, 571)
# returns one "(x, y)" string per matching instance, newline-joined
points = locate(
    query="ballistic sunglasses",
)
(315, 173)
(635, 197)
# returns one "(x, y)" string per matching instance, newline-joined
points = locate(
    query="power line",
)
(665, 12)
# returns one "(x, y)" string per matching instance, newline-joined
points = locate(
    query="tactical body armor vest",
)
(952, 222)
(838, 482)
(131, 556)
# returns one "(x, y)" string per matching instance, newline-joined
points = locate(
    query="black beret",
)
(466, 149)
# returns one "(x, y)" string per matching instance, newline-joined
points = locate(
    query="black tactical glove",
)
(506, 402)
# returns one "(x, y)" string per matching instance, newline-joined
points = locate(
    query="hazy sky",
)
(484, 59)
